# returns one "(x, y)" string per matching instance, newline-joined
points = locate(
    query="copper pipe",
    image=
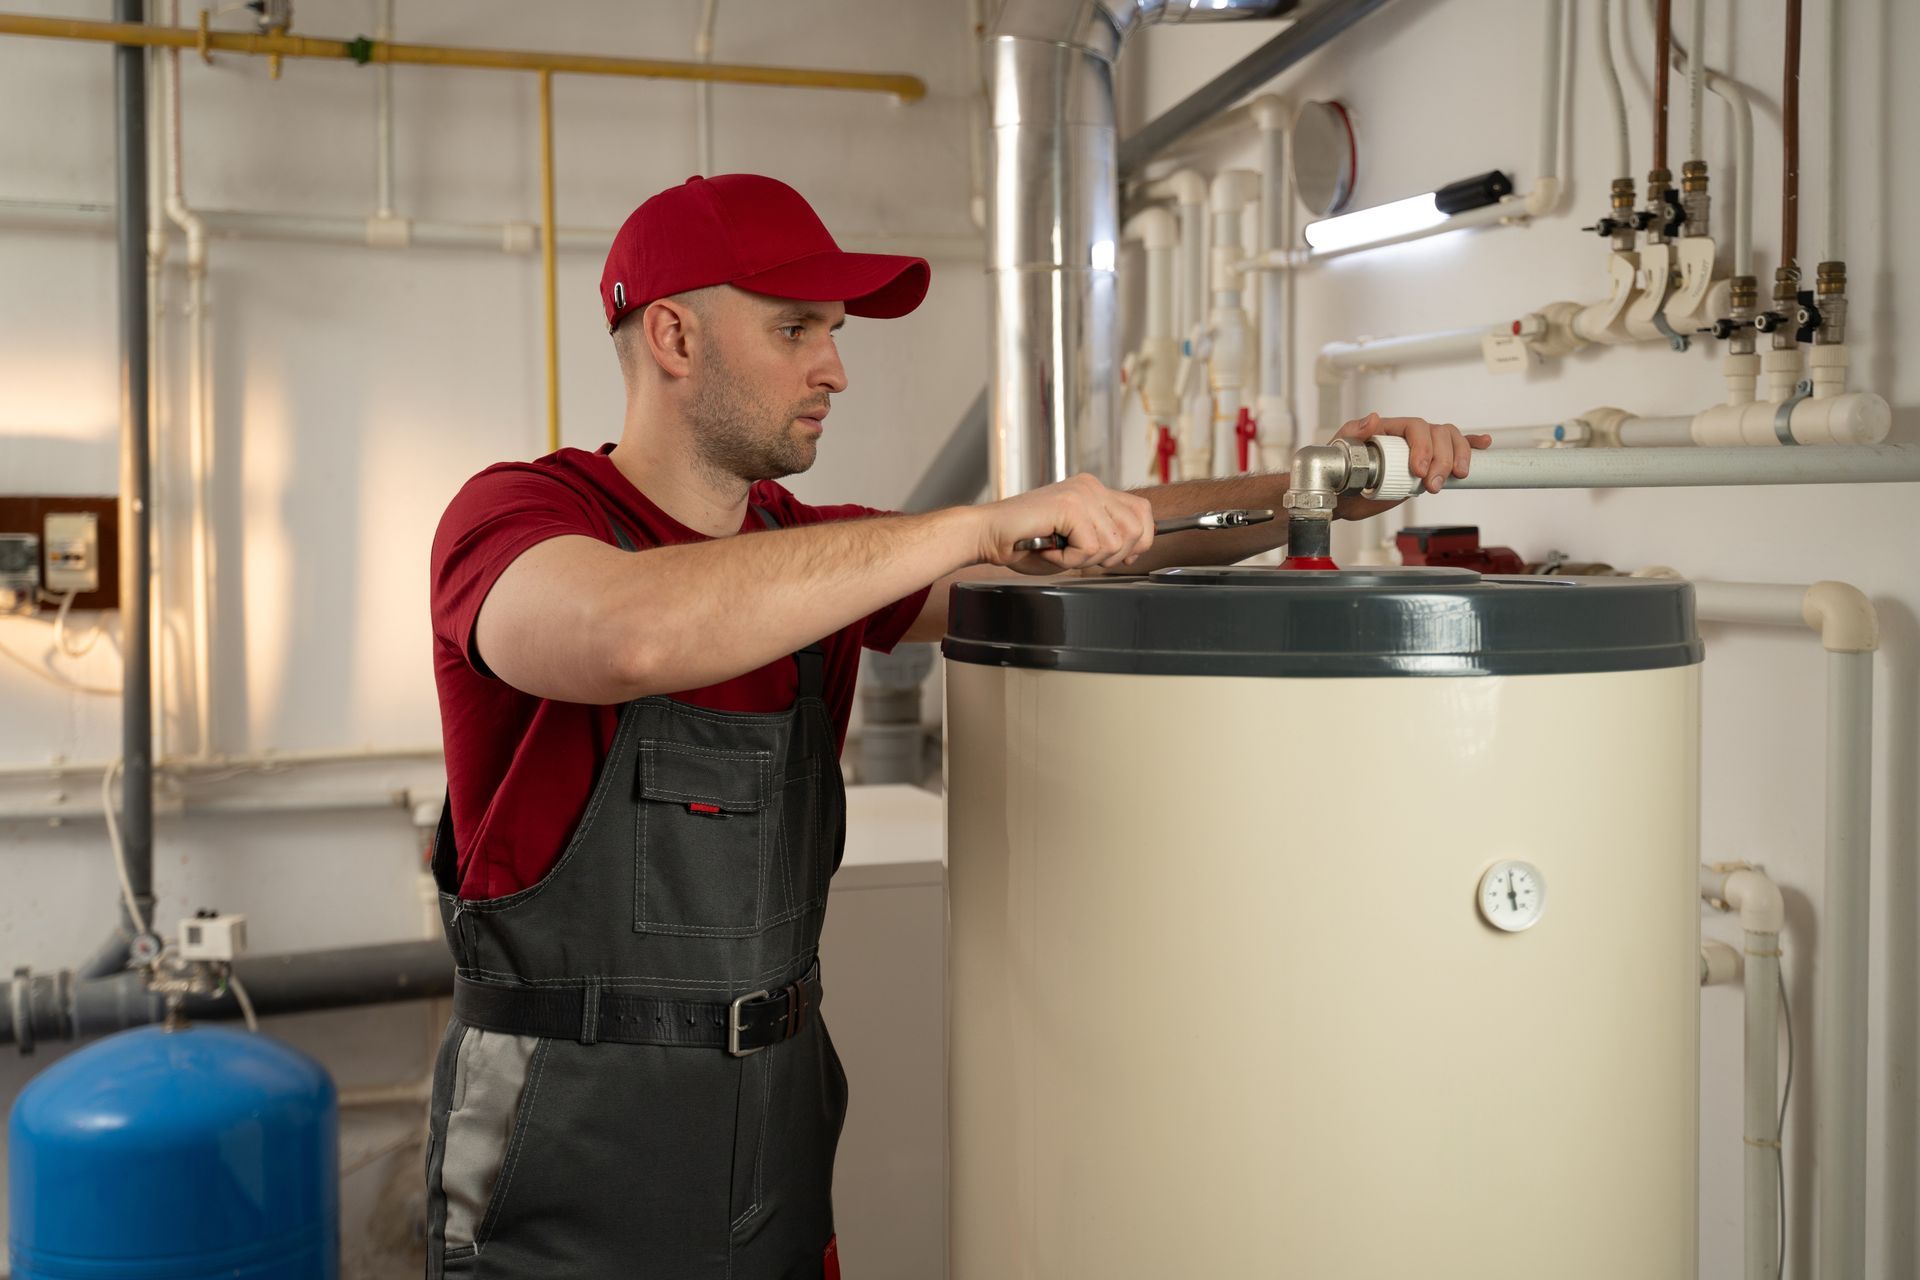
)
(546, 261)
(1790, 146)
(1662, 66)
(362, 50)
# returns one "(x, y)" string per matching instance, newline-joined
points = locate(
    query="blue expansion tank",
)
(173, 1155)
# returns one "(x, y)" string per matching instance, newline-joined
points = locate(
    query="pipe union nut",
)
(1308, 500)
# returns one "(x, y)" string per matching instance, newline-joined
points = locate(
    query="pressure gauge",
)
(1512, 895)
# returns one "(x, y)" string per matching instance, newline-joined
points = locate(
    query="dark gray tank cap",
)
(1248, 621)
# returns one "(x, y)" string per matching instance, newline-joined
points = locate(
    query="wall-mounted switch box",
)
(72, 551)
(19, 572)
(76, 545)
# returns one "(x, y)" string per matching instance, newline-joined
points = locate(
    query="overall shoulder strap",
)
(811, 660)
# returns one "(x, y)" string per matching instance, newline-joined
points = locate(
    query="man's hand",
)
(1436, 452)
(1104, 527)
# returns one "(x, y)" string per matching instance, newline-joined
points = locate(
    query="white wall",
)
(1443, 91)
(356, 389)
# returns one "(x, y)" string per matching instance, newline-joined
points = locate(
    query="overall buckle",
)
(735, 1026)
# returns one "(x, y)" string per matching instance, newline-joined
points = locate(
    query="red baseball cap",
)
(754, 232)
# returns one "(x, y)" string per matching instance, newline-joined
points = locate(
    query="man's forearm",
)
(710, 611)
(1214, 546)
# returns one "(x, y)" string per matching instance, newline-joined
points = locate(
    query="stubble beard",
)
(739, 434)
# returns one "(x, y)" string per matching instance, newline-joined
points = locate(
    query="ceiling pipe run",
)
(1054, 228)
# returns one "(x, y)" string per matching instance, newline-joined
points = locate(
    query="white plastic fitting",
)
(389, 232)
(1720, 964)
(1827, 365)
(1395, 479)
(1782, 368)
(1741, 373)
(1747, 891)
(1843, 616)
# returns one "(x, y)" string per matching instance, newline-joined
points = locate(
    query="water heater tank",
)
(178, 1155)
(1330, 925)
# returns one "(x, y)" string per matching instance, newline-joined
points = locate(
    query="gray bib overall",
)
(636, 1082)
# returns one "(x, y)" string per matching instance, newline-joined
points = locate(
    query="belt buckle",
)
(734, 1027)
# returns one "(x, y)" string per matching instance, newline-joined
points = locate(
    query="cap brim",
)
(882, 286)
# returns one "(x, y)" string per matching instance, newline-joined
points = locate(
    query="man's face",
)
(762, 376)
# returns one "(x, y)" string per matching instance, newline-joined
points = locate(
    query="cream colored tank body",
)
(1224, 1002)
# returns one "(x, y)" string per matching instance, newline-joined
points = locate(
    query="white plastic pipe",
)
(1418, 348)
(703, 93)
(1762, 914)
(1229, 338)
(1669, 468)
(1849, 631)
(383, 115)
(403, 233)
(1840, 1022)
(1548, 164)
(1188, 190)
(199, 413)
(1740, 111)
(1275, 413)
(1657, 433)
(1610, 76)
(1696, 80)
(1156, 367)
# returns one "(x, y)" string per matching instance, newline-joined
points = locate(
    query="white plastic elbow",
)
(1155, 228)
(1843, 616)
(1756, 898)
(1234, 190)
(1271, 114)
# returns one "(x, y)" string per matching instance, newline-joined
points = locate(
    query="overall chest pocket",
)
(703, 840)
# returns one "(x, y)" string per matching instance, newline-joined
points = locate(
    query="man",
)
(645, 659)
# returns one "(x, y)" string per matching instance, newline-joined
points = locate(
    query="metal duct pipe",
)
(958, 472)
(66, 1006)
(136, 479)
(1314, 29)
(1054, 228)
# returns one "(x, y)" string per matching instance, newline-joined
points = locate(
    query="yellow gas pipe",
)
(362, 50)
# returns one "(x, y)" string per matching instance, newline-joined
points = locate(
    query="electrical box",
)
(72, 550)
(19, 570)
(75, 547)
(212, 937)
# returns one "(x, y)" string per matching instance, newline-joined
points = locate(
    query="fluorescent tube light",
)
(1406, 217)
(1381, 222)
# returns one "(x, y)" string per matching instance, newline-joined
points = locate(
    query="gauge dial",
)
(1512, 895)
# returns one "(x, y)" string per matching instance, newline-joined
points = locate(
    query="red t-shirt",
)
(520, 768)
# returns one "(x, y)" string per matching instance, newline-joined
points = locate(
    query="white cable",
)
(246, 1001)
(1623, 164)
(120, 849)
(60, 630)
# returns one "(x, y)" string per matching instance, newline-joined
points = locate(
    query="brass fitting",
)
(1658, 219)
(1622, 215)
(1830, 294)
(1694, 198)
(1786, 302)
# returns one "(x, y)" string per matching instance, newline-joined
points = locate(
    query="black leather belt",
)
(589, 1014)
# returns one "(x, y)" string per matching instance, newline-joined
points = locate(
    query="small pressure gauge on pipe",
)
(1512, 895)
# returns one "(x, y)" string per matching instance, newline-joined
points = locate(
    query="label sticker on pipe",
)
(1506, 353)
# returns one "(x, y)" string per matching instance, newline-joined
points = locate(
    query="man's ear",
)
(666, 325)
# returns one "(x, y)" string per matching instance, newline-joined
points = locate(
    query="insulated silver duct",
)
(1054, 228)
